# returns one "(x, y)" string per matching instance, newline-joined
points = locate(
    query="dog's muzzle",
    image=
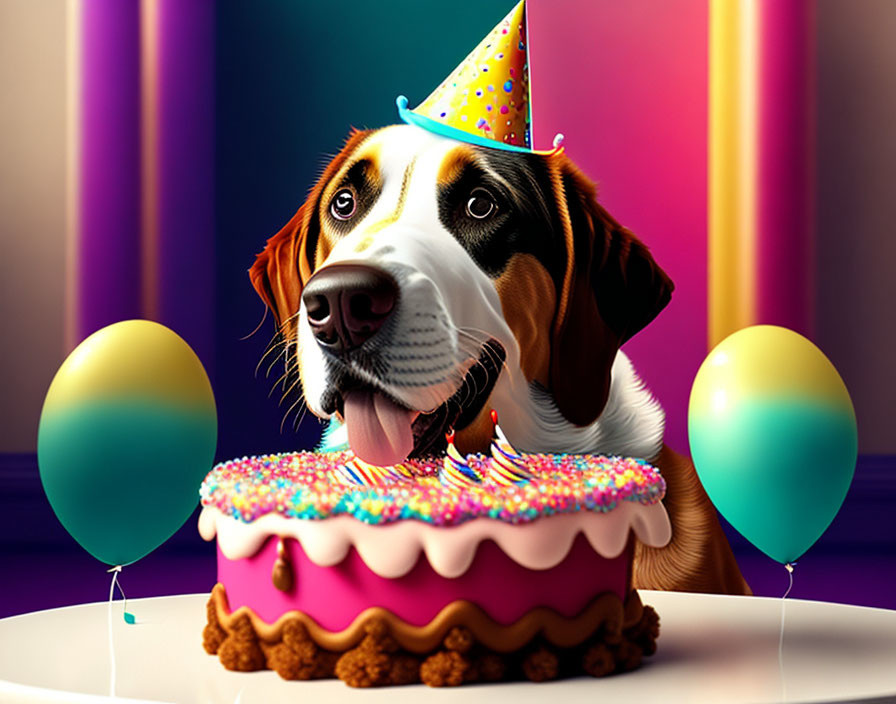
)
(353, 311)
(348, 304)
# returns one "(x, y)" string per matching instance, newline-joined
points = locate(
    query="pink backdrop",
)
(626, 82)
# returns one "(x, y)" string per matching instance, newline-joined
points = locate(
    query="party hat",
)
(485, 100)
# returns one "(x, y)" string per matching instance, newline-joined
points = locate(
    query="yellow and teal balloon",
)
(773, 437)
(127, 433)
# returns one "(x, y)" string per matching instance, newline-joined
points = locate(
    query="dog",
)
(425, 281)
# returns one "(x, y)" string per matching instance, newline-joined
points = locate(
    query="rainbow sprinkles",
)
(310, 485)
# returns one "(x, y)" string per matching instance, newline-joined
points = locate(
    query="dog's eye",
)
(481, 204)
(343, 205)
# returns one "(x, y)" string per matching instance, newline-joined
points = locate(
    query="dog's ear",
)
(288, 260)
(611, 289)
(282, 268)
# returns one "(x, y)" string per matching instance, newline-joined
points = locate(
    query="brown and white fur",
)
(523, 310)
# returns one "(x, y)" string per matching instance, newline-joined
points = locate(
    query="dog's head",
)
(425, 280)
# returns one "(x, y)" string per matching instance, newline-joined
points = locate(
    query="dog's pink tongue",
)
(379, 431)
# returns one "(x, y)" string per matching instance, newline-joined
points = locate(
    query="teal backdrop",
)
(292, 78)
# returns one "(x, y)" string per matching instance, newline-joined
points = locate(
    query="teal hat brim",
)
(443, 130)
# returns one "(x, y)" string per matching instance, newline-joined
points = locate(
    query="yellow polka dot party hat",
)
(486, 99)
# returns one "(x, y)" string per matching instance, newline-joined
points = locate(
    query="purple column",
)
(144, 232)
(185, 251)
(107, 256)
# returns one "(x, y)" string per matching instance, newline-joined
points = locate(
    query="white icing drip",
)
(392, 550)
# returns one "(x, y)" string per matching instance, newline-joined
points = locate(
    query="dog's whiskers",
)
(468, 385)
(292, 386)
(278, 340)
(289, 410)
(291, 369)
(487, 349)
(300, 417)
(257, 327)
(284, 348)
(275, 342)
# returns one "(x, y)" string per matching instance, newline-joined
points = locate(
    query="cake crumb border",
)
(456, 647)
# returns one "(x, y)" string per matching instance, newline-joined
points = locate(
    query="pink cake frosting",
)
(336, 595)
(556, 528)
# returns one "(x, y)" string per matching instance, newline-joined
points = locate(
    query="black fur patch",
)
(526, 220)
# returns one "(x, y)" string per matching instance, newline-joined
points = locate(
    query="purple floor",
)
(847, 578)
(45, 578)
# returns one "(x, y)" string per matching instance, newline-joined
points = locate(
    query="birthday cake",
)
(445, 571)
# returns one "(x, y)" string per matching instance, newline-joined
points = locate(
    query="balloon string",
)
(789, 567)
(115, 570)
(128, 618)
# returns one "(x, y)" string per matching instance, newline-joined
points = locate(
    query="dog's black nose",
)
(347, 304)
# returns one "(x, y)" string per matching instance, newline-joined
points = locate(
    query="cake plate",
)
(711, 649)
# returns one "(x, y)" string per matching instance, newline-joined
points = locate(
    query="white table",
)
(711, 648)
